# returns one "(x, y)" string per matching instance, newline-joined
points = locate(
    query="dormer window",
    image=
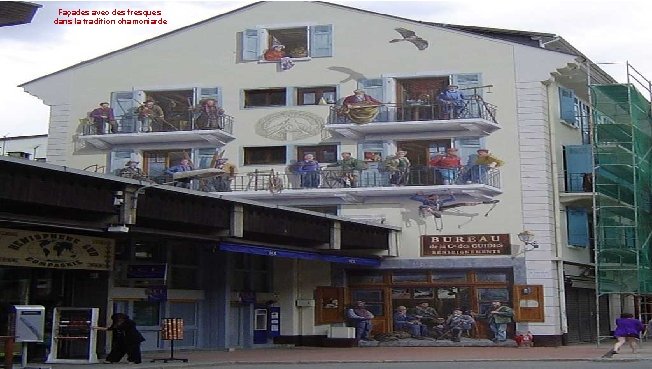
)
(274, 43)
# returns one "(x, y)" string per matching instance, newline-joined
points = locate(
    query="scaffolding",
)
(622, 147)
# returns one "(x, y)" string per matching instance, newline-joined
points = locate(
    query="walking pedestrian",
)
(126, 339)
(628, 329)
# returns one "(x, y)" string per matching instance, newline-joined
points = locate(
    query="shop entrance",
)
(50, 288)
(470, 291)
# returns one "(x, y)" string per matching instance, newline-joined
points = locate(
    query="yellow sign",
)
(54, 250)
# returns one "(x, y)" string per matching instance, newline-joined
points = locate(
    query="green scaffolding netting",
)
(622, 146)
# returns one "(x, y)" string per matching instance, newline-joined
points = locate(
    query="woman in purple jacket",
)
(627, 330)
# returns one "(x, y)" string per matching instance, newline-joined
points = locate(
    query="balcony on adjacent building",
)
(576, 189)
(473, 118)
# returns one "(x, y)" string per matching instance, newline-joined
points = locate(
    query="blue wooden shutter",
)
(578, 162)
(321, 41)
(250, 42)
(567, 105)
(118, 159)
(124, 105)
(467, 150)
(209, 93)
(577, 220)
(373, 88)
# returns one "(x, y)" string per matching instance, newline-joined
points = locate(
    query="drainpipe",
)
(557, 215)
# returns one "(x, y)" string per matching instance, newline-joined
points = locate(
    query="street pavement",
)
(306, 356)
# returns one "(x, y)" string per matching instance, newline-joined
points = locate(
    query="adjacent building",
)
(284, 73)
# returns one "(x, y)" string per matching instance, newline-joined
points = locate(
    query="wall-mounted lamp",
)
(527, 238)
(530, 244)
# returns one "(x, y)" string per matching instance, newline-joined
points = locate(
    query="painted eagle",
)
(412, 37)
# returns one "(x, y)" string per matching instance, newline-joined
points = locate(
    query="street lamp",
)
(527, 238)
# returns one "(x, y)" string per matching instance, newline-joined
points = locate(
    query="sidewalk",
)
(293, 355)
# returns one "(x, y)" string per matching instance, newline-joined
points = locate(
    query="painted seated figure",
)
(458, 323)
(409, 323)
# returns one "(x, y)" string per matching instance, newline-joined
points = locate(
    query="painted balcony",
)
(475, 118)
(337, 187)
(128, 133)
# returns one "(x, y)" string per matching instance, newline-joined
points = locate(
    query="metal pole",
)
(23, 357)
(596, 235)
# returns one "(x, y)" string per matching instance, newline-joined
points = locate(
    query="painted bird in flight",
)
(408, 35)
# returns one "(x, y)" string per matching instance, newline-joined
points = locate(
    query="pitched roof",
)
(521, 37)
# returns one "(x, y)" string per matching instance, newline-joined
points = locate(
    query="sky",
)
(611, 32)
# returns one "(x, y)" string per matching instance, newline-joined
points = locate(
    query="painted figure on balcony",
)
(183, 166)
(103, 119)
(208, 115)
(398, 167)
(447, 165)
(148, 114)
(360, 107)
(308, 168)
(275, 53)
(359, 97)
(350, 167)
(482, 165)
(451, 101)
(132, 171)
(222, 182)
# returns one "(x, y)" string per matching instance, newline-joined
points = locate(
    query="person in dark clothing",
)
(126, 339)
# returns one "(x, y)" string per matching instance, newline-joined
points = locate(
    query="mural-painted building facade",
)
(282, 72)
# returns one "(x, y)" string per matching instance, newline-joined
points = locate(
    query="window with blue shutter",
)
(567, 106)
(118, 159)
(467, 82)
(250, 42)
(321, 41)
(577, 221)
(578, 164)
(467, 149)
(124, 106)
(372, 87)
(298, 42)
(204, 93)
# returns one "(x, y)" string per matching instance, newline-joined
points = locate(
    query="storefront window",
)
(398, 277)
(146, 313)
(367, 278)
(449, 277)
(373, 299)
(491, 277)
(487, 295)
(424, 294)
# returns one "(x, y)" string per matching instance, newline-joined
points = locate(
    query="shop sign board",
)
(40, 249)
(465, 245)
